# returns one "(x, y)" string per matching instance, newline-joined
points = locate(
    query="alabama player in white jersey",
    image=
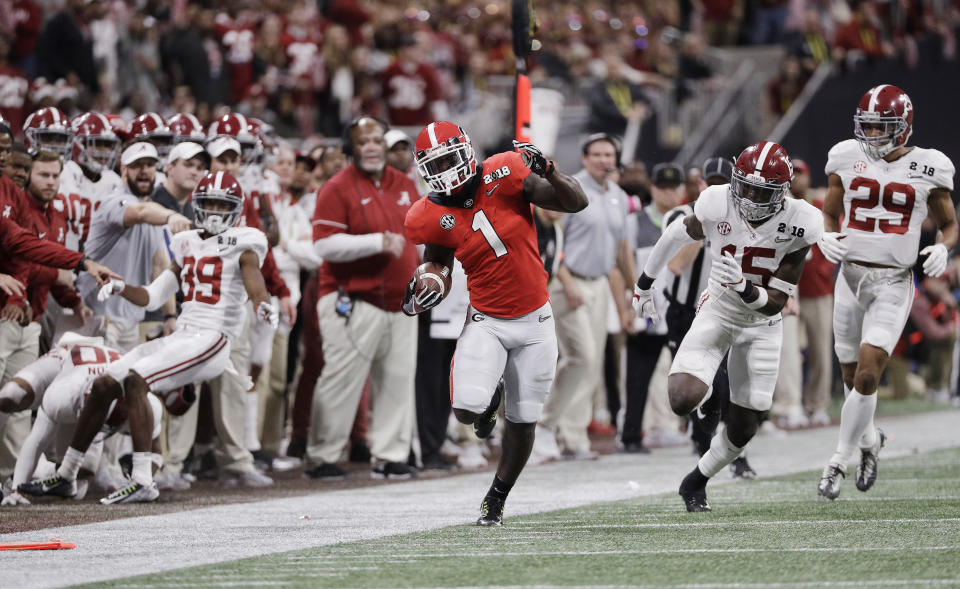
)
(884, 190)
(217, 267)
(88, 179)
(62, 379)
(759, 241)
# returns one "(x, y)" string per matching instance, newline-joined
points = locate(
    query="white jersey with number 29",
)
(884, 203)
(214, 295)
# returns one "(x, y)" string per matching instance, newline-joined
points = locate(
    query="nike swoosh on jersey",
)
(364, 201)
(544, 318)
(784, 240)
(489, 192)
(41, 235)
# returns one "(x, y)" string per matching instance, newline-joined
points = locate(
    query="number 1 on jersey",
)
(482, 224)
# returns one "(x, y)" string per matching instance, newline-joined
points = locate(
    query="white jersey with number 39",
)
(78, 198)
(214, 296)
(884, 203)
(759, 249)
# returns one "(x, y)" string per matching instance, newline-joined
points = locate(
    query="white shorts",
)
(186, 356)
(64, 400)
(522, 350)
(753, 342)
(870, 306)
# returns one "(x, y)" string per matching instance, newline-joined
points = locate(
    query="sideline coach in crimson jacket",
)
(367, 262)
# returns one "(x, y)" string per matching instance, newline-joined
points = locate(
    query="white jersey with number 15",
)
(884, 203)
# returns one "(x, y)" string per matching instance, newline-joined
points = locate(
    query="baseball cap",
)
(718, 166)
(669, 174)
(218, 145)
(800, 166)
(394, 136)
(302, 158)
(137, 151)
(184, 151)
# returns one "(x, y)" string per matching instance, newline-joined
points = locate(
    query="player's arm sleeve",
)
(674, 237)
(943, 172)
(331, 229)
(834, 159)
(161, 289)
(17, 241)
(812, 223)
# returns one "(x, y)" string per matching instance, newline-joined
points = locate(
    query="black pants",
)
(433, 388)
(611, 373)
(643, 351)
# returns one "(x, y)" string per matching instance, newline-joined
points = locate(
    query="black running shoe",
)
(741, 469)
(55, 486)
(694, 495)
(359, 453)
(326, 471)
(392, 470)
(867, 470)
(491, 512)
(485, 422)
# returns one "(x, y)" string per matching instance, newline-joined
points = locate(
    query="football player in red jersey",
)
(482, 214)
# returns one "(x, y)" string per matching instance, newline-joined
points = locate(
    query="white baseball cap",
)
(137, 151)
(184, 151)
(222, 143)
(394, 136)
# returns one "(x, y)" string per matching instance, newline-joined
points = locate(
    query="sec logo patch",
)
(448, 221)
(723, 228)
(860, 166)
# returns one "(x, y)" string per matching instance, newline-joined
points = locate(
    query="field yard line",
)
(871, 583)
(652, 551)
(520, 526)
(150, 544)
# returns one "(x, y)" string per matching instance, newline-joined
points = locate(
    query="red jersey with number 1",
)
(492, 234)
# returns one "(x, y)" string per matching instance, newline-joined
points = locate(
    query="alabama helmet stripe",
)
(763, 155)
(874, 95)
(217, 181)
(432, 132)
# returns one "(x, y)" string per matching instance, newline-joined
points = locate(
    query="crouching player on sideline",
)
(759, 241)
(481, 213)
(58, 383)
(217, 267)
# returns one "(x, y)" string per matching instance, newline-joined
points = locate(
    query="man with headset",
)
(367, 261)
(597, 256)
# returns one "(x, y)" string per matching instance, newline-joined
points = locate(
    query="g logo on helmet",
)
(724, 228)
(448, 221)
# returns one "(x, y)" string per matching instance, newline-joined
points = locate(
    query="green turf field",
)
(769, 532)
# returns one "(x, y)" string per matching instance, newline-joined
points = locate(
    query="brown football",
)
(435, 277)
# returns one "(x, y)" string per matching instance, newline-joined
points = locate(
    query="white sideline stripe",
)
(659, 551)
(798, 522)
(119, 549)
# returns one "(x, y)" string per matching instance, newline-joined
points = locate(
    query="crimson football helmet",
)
(150, 127)
(95, 145)
(237, 126)
(119, 126)
(265, 137)
(218, 202)
(888, 109)
(48, 128)
(445, 156)
(185, 127)
(761, 179)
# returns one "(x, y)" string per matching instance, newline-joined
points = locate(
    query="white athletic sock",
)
(143, 468)
(72, 460)
(869, 437)
(250, 417)
(855, 417)
(722, 452)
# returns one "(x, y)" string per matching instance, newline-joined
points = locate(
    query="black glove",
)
(533, 158)
(414, 303)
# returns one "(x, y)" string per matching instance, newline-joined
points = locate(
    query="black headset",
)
(348, 140)
(594, 137)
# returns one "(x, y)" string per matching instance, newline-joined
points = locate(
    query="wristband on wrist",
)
(551, 168)
(167, 220)
(754, 297)
(644, 282)
(80, 265)
(169, 316)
